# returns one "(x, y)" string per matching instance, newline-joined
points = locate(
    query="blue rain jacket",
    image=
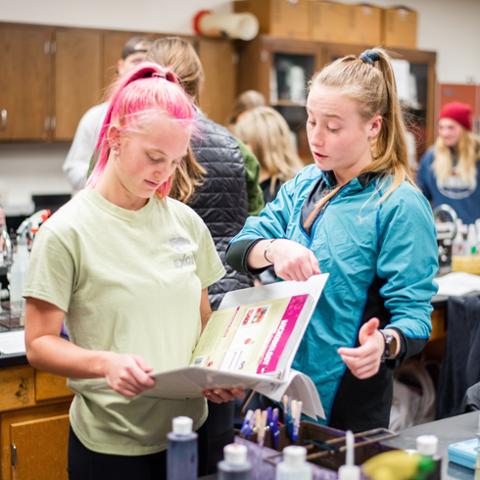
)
(356, 240)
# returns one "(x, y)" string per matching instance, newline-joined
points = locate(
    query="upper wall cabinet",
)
(52, 75)
(25, 82)
(50, 78)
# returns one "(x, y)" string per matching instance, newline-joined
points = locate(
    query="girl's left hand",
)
(222, 395)
(364, 361)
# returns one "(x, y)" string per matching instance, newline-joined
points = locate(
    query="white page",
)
(313, 286)
(12, 342)
(458, 283)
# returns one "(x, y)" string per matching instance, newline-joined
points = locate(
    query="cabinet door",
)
(78, 77)
(113, 43)
(34, 443)
(40, 448)
(220, 63)
(25, 101)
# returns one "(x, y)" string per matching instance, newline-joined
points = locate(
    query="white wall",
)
(26, 169)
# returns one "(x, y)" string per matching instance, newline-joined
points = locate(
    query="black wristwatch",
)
(390, 346)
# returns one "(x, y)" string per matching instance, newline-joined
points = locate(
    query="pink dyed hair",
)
(146, 91)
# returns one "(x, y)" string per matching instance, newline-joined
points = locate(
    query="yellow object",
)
(466, 263)
(394, 465)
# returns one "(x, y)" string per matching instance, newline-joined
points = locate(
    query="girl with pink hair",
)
(127, 268)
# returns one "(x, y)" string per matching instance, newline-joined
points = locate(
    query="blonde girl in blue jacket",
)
(357, 215)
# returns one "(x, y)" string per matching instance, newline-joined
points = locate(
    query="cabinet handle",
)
(3, 119)
(13, 455)
(53, 123)
(22, 392)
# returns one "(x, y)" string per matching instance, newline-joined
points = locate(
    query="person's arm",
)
(76, 164)
(46, 350)
(252, 174)
(205, 308)
(409, 284)
(262, 243)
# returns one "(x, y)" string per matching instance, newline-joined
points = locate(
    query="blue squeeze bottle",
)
(182, 454)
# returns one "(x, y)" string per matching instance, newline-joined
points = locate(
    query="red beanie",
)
(460, 112)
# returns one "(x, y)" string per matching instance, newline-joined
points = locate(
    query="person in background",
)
(245, 101)
(81, 150)
(128, 269)
(357, 215)
(228, 194)
(450, 171)
(267, 134)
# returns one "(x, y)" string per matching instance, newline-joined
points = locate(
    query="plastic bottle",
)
(349, 471)
(16, 277)
(471, 240)
(458, 246)
(294, 465)
(235, 465)
(182, 455)
(429, 466)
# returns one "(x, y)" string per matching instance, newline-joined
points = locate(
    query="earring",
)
(116, 151)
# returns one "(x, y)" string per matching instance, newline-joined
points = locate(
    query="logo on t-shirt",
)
(456, 188)
(184, 248)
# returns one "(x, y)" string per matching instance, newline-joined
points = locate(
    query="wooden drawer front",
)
(49, 386)
(16, 388)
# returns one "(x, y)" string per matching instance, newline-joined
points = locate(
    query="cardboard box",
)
(329, 21)
(365, 25)
(281, 18)
(399, 27)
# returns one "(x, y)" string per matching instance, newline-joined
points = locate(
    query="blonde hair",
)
(369, 80)
(468, 153)
(267, 134)
(179, 55)
(246, 101)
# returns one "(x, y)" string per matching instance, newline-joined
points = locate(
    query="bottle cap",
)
(294, 455)
(427, 444)
(349, 472)
(182, 425)
(235, 454)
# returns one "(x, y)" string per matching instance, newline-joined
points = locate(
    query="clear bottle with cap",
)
(294, 465)
(430, 465)
(235, 465)
(16, 277)
(182, 454)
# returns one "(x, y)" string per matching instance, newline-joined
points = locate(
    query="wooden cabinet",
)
(25, 82)
(78, 78)
(281, 68)
(220, 62)
(52, 75)
(33, 424)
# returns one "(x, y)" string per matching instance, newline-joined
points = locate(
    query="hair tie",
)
(168, 76)
(370, 57)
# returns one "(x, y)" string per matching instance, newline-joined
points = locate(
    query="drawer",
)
(49, 386)
(16, 387)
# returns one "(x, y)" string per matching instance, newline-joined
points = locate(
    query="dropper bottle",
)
(349, 471)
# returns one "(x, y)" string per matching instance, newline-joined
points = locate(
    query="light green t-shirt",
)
(129, 282)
